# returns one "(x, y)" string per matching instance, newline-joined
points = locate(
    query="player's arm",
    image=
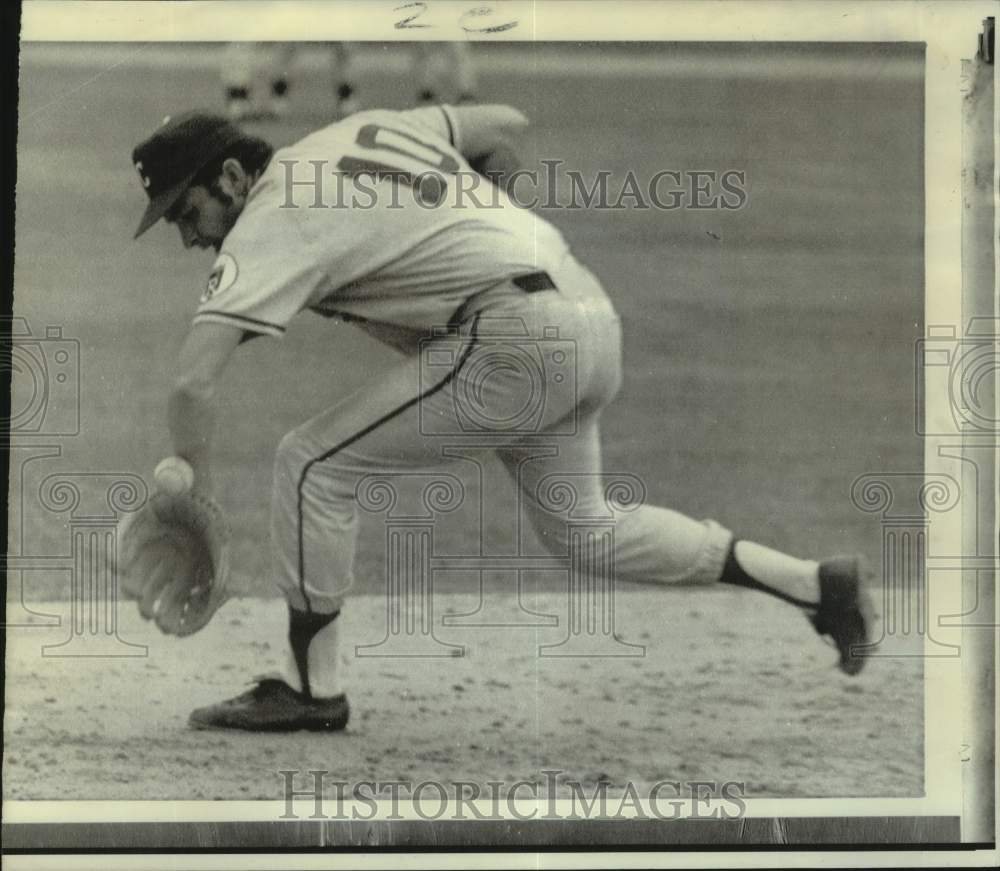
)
(191, 406)
(487, 136)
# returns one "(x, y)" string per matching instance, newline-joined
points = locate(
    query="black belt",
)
(534, 282)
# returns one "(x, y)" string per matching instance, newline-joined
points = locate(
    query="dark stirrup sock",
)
(733, 573)
(302, 628)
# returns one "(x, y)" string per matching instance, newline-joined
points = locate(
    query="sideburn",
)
(218, 193)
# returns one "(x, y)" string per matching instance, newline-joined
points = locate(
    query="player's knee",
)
(290, 454)
(299, 448)
(301, 467)
(292, 459)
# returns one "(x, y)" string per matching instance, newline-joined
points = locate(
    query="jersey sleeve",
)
(440, 120)
(259, 282)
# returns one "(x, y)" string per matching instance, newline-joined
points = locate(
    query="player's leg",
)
(318, 467)
(464, 80)
(279, 74)
(441, 69)
(237, 70)
(658, 545)
(342, 65)
(655, 544)
(652, 544)
(576, 335)
(426, 72)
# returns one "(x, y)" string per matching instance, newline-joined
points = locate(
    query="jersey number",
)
(374, 137)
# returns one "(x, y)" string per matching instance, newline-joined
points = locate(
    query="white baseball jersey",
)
(349, 222)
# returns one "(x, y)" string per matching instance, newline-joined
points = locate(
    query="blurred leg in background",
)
(444, 71)
(237, 78)
(344, 78)
(279, 78)
(250, 69)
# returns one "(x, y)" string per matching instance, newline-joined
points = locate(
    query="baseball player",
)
(440, 67)
(400, 258)
(239, 72)
(437, 67)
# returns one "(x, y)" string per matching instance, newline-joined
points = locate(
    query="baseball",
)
(174, 475)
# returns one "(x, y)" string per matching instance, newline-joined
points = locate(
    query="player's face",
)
(203, 218)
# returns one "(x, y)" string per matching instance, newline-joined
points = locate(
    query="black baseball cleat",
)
(845, 610)
(273, 706)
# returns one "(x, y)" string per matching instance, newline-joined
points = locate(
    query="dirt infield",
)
(723, 692)
(768, 365)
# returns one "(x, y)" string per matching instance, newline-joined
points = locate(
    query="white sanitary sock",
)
(793, 576)
(324, 665)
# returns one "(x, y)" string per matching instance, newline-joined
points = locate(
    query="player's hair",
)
(253, 153)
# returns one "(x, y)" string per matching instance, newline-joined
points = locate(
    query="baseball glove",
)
(173, 558)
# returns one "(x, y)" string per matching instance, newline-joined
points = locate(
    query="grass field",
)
(769, 351)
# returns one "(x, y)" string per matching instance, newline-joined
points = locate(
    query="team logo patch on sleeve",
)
(221, 278)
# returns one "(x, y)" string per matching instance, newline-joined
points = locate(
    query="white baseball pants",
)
(471, 384)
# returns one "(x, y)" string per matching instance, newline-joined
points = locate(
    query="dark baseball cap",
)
(180, 148)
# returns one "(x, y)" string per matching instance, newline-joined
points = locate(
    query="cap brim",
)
(160, 205)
